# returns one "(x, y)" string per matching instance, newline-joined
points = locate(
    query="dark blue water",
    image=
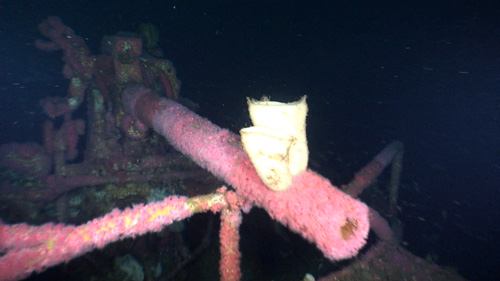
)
(427, 74)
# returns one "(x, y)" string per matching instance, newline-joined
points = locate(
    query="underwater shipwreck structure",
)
(140, 162)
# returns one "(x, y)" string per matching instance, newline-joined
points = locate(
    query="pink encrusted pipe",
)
(28, 248)
(229, 266)
(337, 223)
(362, 179)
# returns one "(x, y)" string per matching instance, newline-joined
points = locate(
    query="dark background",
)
(423, 72)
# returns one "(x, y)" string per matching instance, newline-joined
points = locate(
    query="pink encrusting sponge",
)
(337, 223)
(35, 248)
(321, 213)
